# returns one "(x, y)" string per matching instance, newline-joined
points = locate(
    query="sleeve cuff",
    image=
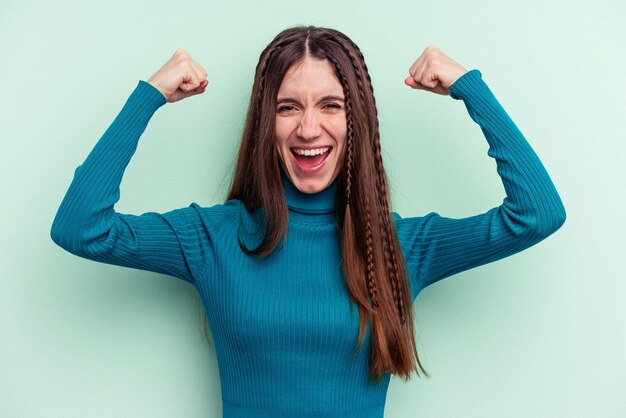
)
(466, 83)
(149, 94)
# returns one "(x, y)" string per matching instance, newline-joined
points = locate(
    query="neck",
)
(318, 206)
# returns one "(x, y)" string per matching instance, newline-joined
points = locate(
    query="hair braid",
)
(383, 185)
(387, 239)
(261, 82)
(349, 150)
(372, 287)
(371, 276)
(383, 212)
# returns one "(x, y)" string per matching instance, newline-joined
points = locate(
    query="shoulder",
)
(210, 219)
(413, 231)
(401, 222)
(214, 217)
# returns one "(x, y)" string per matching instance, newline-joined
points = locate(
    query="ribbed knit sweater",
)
(283, 328)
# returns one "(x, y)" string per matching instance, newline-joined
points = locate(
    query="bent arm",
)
(436, 247)
(86, 223)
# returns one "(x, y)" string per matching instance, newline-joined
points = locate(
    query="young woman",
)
(306, 232)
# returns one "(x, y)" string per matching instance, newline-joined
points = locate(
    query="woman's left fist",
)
(434, 71)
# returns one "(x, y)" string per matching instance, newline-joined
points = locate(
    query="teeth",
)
(311, 152)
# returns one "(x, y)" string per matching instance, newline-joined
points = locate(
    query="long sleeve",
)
(87, 225)
(436, 247)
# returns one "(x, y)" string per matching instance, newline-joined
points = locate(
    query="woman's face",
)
(311, 124)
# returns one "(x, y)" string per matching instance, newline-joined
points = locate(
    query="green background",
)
(539, 334)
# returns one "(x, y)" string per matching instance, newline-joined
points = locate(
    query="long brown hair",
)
(373, 264)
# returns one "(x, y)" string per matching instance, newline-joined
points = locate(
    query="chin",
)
(310, 185)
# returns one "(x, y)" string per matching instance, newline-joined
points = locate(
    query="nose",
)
(309, 126)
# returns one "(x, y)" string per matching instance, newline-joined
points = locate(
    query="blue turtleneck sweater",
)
(283, 328)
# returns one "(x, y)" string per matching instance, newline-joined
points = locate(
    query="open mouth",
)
(310, 159)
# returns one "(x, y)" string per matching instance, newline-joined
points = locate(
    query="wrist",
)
(156, 89)
(461, 84)
(154, 84)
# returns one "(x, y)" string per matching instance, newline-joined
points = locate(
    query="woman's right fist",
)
(180, 77)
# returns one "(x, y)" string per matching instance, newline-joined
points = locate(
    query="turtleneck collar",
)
(310, 207)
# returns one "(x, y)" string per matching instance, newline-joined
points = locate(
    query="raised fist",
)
(180, 77)
(434, 71)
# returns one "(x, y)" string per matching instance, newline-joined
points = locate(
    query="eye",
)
(285, 109)
(332, 106)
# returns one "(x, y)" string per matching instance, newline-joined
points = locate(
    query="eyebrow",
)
(323, 99)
